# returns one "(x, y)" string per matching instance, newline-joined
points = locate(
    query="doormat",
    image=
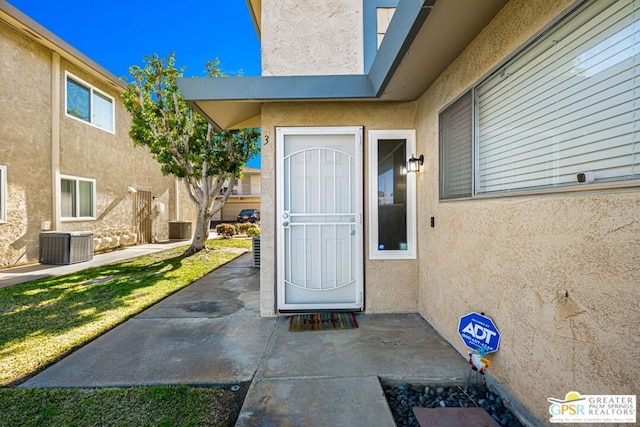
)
(322, 321)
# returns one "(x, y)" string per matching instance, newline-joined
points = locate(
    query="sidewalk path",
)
(211, 333)
(27, 273)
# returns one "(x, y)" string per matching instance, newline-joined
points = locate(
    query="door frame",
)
(358, 134)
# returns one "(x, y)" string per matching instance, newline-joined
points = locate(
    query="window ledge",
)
(596, 187)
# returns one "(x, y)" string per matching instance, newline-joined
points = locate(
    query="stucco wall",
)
(112, 160)
(25, 91)
(312, 38)
(85, 151)
(558, 273)
(389, 284)
(233, 207)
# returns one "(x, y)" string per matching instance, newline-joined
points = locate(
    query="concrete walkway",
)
(27, 273)
(211, 333)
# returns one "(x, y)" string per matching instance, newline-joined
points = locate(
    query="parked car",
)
(248, 215)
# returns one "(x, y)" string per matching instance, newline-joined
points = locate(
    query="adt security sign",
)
(479, 331)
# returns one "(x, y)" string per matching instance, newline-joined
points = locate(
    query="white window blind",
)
(569, 103)
(102, 111)
(456, 139)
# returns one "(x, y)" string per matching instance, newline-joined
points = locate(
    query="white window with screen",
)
(3, 193)
(565, 111)
(77, 198)
(88, 104)
(392, 195)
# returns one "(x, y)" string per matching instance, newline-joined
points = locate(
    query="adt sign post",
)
(478, 331)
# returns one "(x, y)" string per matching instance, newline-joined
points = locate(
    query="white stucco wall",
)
(558, 273)
(312, 37)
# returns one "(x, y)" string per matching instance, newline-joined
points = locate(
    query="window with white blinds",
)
(568, 103)
(456, 139)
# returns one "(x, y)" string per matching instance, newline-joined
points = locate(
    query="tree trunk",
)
(201, 233)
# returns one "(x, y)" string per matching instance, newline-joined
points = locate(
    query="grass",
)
(44, 320)
(137, 406)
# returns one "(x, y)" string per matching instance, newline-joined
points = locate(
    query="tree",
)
(183, 142)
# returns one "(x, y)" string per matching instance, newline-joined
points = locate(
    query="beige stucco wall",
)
(557, 273)
(312, 38)
(26, 141)
(389, 284)
(233, 207)
(115, 164)
(25, 90)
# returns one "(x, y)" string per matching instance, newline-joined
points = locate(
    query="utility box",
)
(179, 230)
(66, 247)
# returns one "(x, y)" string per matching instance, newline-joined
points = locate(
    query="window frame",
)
(619, 182)
(444, 172)
(93, 92)
(409, 135)
(3, 194)
(77, 181)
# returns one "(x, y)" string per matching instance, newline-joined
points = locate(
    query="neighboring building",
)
(244, 195)
(527, 206)
(66, 160)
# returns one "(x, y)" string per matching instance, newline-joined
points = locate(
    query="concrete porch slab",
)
(394, 346)
(329, 378)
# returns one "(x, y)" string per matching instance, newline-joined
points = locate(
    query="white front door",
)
(319, 218)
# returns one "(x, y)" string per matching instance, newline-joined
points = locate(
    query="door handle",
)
(285, 223)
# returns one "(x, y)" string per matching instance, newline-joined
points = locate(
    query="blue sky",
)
(119, 33)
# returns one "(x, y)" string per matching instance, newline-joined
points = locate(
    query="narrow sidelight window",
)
(392, 195)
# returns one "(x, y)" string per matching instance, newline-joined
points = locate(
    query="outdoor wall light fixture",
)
(131, 189)
(413, 164)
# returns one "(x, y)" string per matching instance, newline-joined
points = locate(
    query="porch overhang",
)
(422, 40)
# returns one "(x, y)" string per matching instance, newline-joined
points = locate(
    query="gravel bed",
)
(403, 398)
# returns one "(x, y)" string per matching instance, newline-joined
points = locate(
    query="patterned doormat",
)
(322, 321)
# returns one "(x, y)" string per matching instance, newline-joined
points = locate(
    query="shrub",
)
(243, 227)
(253, 231)
(226, 230)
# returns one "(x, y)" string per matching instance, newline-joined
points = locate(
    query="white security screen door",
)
(319, 218)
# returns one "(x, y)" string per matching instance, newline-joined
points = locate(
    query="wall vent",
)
(256, 251)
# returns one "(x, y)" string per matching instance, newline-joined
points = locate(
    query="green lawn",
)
(178, 406)
(44, 320)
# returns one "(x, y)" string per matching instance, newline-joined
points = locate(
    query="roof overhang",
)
(46, 38)
(422, 40)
